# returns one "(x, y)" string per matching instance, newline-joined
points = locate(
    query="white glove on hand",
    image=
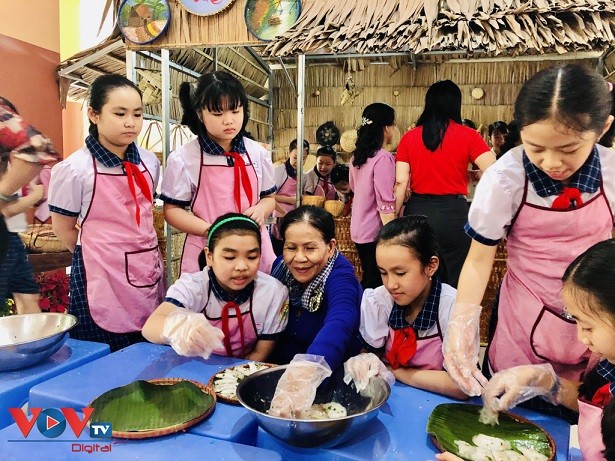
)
(296, 388)
(508, 388)
(190, 334)
(362, 367)
(460, 348)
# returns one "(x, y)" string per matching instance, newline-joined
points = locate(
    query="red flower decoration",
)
(54, 292)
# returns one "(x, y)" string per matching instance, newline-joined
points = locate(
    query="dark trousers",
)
(371, 275)
(447, 214)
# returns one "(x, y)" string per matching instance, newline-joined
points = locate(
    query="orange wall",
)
(29, 81)
(33, 21)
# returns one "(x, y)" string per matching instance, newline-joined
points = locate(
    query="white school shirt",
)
(499, 192)
(181, 176)
(280, 175)
(376, 307)
(72, 180)
(269, 300)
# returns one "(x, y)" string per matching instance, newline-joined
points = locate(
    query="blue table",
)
(399, 432)
(15, 385)
(14, 447)
(144, 361)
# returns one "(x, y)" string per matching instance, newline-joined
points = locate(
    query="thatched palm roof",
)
(496, 27)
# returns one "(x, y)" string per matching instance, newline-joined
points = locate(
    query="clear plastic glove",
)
(190, 334)
(362, 367)
(508, 388)
(296, 388)
(460, 348)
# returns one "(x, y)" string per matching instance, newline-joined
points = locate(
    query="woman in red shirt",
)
(434, 158)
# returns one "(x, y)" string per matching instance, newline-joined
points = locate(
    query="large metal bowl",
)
(256, 391)
(28, 339)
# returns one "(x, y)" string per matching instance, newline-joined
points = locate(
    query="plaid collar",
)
(108, 158)
(213, 148)
(607, 370)
(310, 298)
(587, 179)
(241, 297)
(428, 315)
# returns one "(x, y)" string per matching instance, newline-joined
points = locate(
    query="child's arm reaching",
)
(23, 203)
(188, 333)
(183, 220)
(430, 380)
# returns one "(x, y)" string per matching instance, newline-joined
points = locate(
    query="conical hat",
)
(348, 140)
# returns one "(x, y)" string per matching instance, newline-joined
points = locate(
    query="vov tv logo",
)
(52, 422)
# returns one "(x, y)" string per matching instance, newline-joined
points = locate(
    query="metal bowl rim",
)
(269, 370)
(54, 314)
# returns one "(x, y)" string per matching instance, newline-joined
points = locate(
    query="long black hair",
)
(370, 135)
(442, 104)
(216, 92)
(99, 94)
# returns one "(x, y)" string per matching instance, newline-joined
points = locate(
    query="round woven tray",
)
(220, 397)
(39, 238)
(176, 427)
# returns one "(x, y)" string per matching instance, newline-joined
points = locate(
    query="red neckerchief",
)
(569, 198)
(403, 347)
(225, 329)
(602, 396)
(241, 175)
(134, 174)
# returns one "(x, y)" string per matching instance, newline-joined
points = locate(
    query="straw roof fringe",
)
(496, 27)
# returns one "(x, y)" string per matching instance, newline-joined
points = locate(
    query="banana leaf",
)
(459, 421)
(143, 406)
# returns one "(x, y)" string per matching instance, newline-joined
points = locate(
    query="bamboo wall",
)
(500, 82)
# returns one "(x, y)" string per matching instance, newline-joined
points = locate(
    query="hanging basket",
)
(327, 134)
(39, 238)
(348, 140)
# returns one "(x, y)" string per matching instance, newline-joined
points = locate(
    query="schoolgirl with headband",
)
(100, 199)
(228, 308)
(221, 171)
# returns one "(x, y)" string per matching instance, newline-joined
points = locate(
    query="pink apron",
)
(532, 327)
(238, 328)
(122, 263)
(212, 199)
(590, 433)
(288, 189)
(325, 189)
(428, 354)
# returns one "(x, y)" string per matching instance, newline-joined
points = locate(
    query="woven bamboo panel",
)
(497, 274)
(176, 252)
(346, 245)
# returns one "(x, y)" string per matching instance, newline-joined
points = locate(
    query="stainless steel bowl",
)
(28, 339)
(256, 391)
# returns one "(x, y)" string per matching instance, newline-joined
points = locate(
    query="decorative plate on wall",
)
(206, 7)
(143, 21)
(267, 19)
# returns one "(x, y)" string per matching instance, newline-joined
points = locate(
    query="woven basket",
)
(39, 238)
(348, 140)
(335, 207)
(345, 244)
(315, 200)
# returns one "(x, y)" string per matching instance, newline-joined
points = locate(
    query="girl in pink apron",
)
(551, 198)
(286, 196)
(407, 317)
(317, 180)
(221, 171)
(228, 308)
(589, 302)
(101, 199)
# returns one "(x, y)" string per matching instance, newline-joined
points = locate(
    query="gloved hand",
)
(460, 348)
(190, 334)
(362, 367)
(296, 388)
(508, 388)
